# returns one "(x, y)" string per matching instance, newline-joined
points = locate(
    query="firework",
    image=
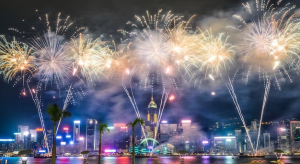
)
(214, 53)
(16, 59)
(53, 60)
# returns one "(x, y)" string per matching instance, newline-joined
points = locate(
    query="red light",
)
(119, 125)
(172, 98)
(39, 129)
(66, 129)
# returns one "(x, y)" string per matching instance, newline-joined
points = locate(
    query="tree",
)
(102, 128)
(278, 151)
(56, 115)
(85, 155)
(132, 125)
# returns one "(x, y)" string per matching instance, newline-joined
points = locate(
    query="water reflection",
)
(161, 160)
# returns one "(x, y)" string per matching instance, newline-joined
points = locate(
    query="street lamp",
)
(24, 160)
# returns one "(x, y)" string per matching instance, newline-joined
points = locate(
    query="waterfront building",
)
(225, 145)
(295, 135)
(33, 133)
(39, 136)
(283, 139)
(7, 145)
(27, 141)
(91, 134)
(151, 122)
(24, 130)
(76, 131)
(267, 142)
(239, 140)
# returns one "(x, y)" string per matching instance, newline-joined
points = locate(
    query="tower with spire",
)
(150, 127)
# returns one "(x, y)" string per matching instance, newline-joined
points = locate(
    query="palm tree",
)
(132, 125)
(56, 115)
(102, 128)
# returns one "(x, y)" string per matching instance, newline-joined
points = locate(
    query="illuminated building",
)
(295, 135)
(150, 125)
(17, 137)
(32, 132)
(283, 139)
(121, 134)
(76, 131)
(39, 136)
(91, 134)
(166, 131)
(267, 142)
(27, 141)
(225, 145)
(7, 145)
(239, 140)
(254, 125)
(23, 130)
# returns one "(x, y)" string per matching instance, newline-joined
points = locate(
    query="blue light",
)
(58, 137)
(42, 151)
(71, 142)
(68, 136)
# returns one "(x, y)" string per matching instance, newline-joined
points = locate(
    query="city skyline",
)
(109, 103)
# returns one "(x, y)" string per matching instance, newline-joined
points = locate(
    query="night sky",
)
(108, 102)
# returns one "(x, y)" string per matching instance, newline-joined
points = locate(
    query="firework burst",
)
(53, 60)
(16, 59)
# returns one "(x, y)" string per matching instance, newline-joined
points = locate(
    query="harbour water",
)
(160, 160)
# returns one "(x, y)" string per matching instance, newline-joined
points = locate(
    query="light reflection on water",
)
(161, 160)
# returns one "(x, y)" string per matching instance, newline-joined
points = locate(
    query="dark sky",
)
(108, 102)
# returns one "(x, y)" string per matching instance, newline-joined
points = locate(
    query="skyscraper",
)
(91, 134)
(254, 125)
(283, 139)
(150, 127)
(267, 142)
(239, 140)
(295, 135)
(76, 131)
(24, 130)
(33, 134)
(39, 136)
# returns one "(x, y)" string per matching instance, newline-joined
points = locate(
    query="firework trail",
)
(267, 88)
(37, 102)
(270, 41)
(69, 97)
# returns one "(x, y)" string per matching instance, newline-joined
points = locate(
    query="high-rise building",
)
(91, 134)
(27, 141)
(267, 142)
(254, 125)
(239, 140)
(150, 126)
(32, 132)
(121, 141)
(76, 131)
(17, 137)
(225, 145)
(283, 139)
(166, 130)
(295, 135)
(24, 130)
(39, 136)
